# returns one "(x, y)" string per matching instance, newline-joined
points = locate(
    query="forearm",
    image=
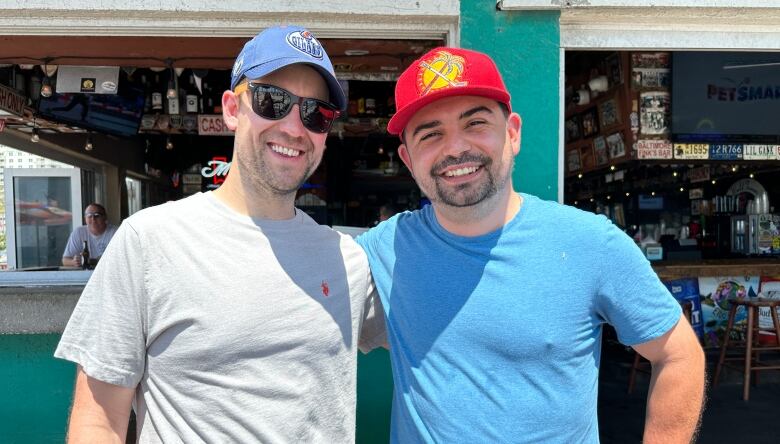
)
(675, 400)
(70, 262)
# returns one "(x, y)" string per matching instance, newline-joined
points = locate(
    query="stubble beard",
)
(253, 164)
(467, 194)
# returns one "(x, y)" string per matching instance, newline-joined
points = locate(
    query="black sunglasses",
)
(274, 103)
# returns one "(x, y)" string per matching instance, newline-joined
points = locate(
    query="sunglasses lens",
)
(275, 103)
(272, 103)
(317, 116)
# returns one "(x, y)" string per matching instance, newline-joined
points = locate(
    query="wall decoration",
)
(650, 70)
(653, 149)
(617, 147)
(586, 157)
(600, 151)
(609, 113)
(590, 123)
(654, 113)
(573, 160)
(612, 69)
(573, 130)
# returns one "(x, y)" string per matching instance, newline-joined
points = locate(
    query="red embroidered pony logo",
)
(325, 289)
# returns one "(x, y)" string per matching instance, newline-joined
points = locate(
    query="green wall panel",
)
(35, 390)
(374, 397)
(526, 48)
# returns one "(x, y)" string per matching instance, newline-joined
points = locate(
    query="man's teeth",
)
(461, 171)
(285, 151)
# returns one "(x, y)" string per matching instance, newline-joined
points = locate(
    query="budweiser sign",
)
(12, 101)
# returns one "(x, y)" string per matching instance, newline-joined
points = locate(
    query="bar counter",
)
(670, 270)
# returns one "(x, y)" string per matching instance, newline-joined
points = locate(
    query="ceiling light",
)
(168, 144)
(612, 168)
(714, 182)
(88, 144)
(751, 175)
(674, 174)
(653, 193)
(628, 194)
(34, 138)
(579, 176)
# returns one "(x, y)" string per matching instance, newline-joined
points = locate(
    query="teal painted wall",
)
(526, 48)
(35, 390)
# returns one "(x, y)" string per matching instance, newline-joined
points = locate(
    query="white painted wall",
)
(333, 19)
(560, 4)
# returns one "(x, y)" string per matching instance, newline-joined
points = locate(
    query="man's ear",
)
(514, 128)
(403, 153)
(230, 105)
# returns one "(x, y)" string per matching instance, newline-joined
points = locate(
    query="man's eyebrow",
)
(472, 111)
(425, 126)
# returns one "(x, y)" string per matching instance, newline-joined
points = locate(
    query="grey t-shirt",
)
(96, 244)
(232, 329)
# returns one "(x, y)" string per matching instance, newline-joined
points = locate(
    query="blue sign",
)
(687, 290)
(726, 151)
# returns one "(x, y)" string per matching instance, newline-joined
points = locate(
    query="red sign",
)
(12, 101)
(213, 125)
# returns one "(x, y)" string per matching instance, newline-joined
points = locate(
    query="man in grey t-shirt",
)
(230, 316)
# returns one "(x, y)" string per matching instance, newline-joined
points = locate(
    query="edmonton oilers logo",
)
(443, 70)
(305, 42)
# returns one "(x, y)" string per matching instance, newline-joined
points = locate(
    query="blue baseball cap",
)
(282, 46)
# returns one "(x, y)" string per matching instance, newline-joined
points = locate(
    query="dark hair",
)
(95, 204)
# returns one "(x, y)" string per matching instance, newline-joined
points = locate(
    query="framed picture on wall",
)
(600, 152)
(590, 122)
(616, 145)
(586, 157)
(609, 113)
(612, 68)
(573, 130)
(573, 160)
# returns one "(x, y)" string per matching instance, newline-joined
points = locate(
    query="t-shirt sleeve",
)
(373, 333)
(72, 248)
(631, 297)
(106, 333)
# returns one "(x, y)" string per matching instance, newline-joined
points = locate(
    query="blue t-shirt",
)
(496, 338)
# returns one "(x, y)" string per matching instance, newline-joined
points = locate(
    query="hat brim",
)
(399, 120)
(334, 88)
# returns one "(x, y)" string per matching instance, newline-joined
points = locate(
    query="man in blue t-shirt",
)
(495, 300)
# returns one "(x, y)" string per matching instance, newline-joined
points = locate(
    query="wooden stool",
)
(640, 363)
(751, 345)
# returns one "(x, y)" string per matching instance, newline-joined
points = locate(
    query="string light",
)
(168, 144)
(579, 176)
(88, 145)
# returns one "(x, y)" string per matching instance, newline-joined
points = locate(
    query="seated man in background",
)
(97, 232)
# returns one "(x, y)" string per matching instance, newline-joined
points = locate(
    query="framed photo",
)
(654, 113)
(600, 152)
(573, 160)
(573, 129)
(612, 68)
(586, 157)
(590, 122)
(616, 145)
(609, 113)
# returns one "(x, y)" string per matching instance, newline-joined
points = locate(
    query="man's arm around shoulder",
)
(100, 411)
(676, 393)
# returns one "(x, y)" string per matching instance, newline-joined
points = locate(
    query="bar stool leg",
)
(748, 353)
(777, 325)
(632, 376)
(725, 345)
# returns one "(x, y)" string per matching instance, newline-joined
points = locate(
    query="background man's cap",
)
(282, 46)
(445, 72)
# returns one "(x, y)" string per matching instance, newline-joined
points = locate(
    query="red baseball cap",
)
(445, 72)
